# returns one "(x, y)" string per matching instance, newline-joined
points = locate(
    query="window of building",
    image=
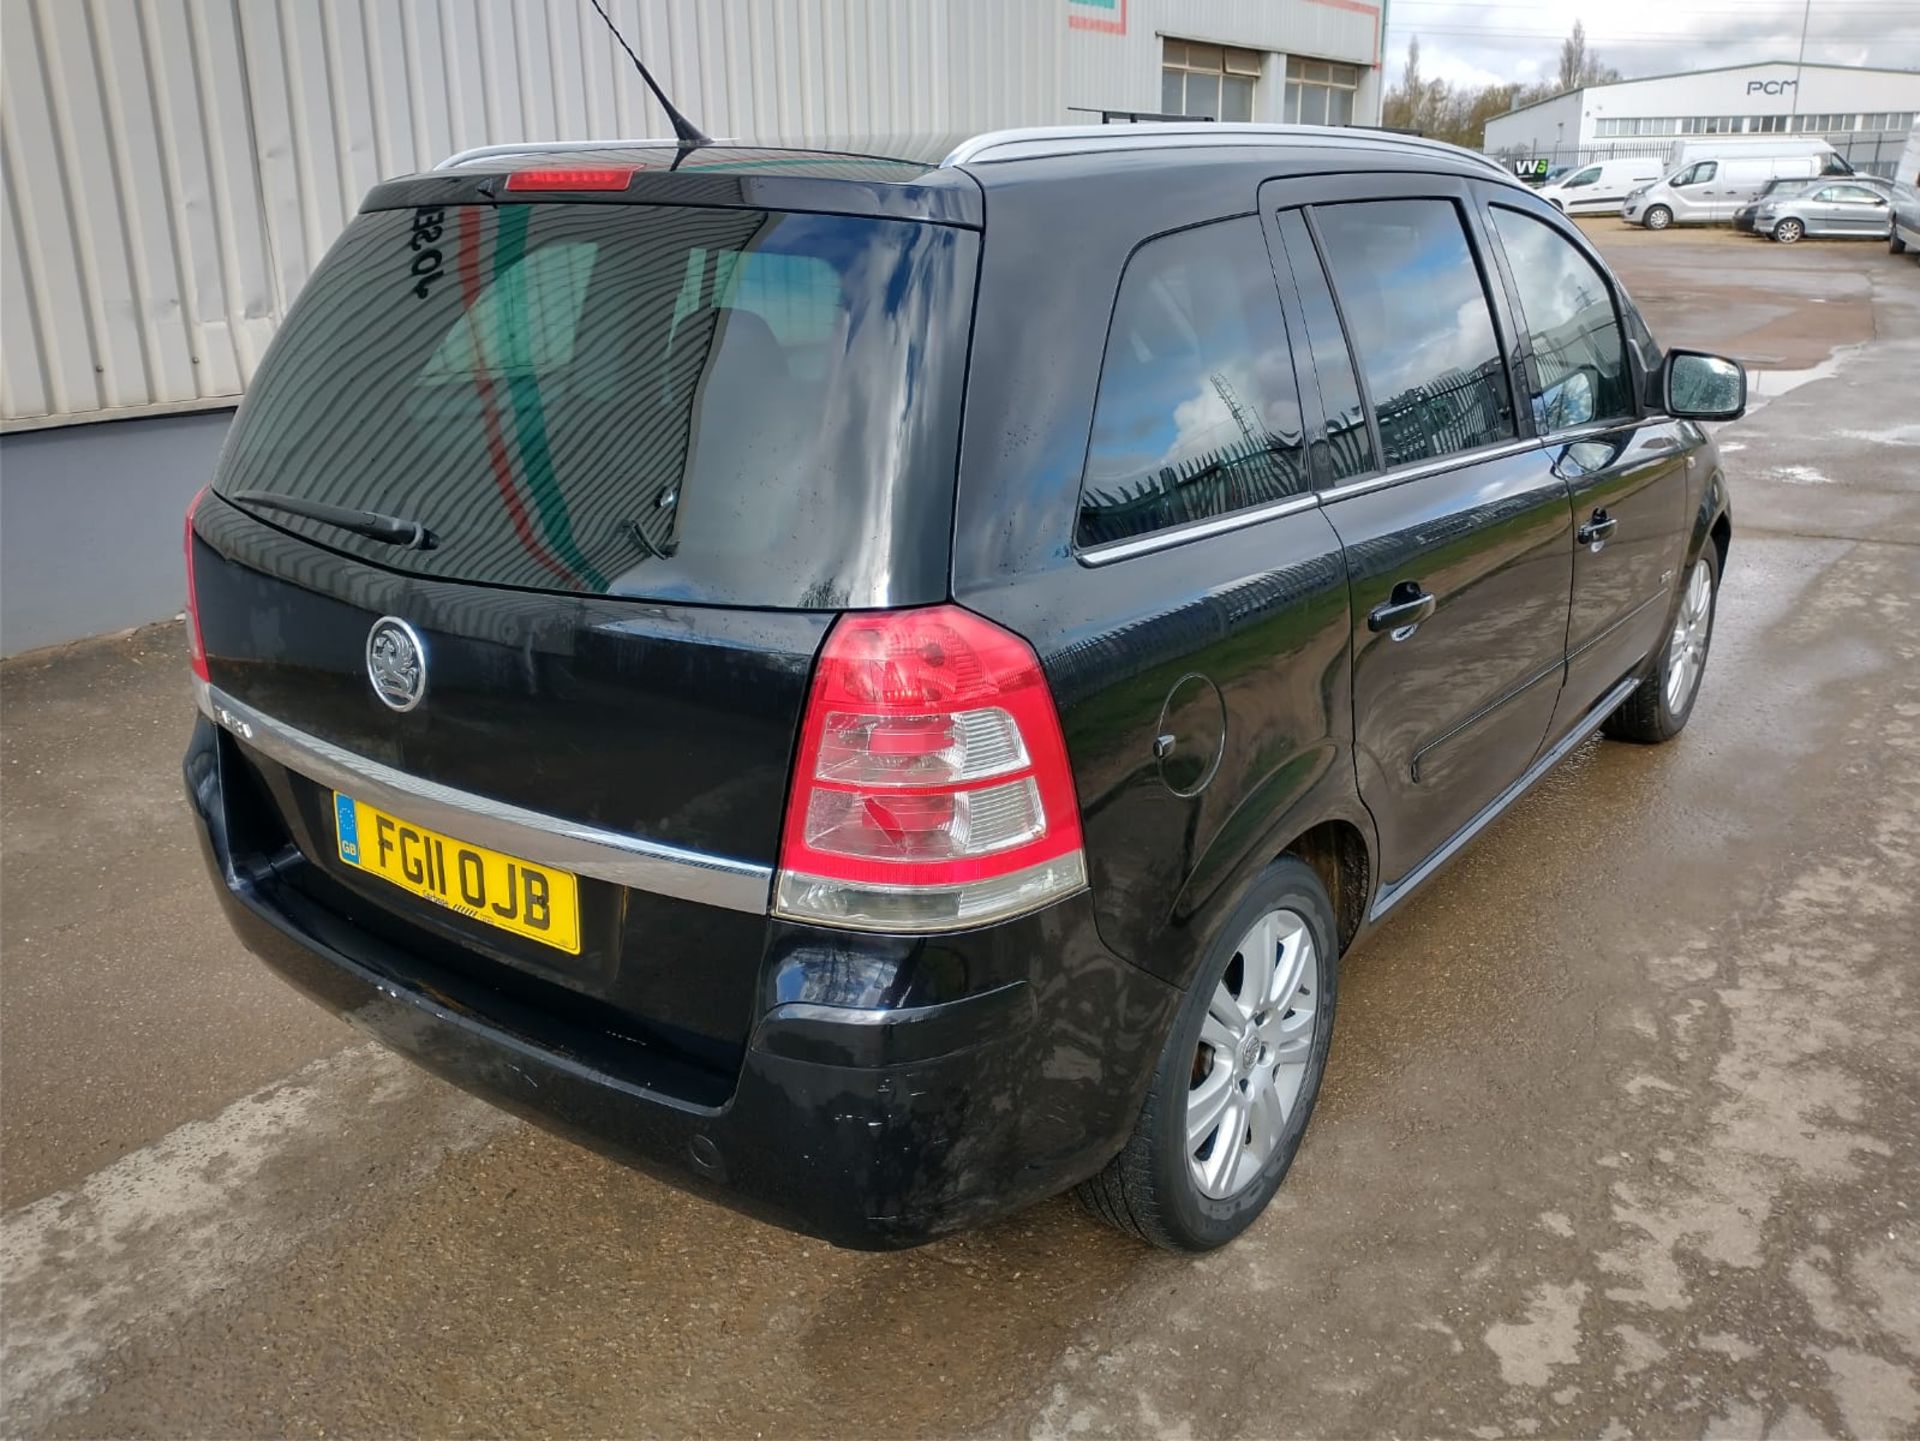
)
(1210, 82)
(1197, 415)
(1419, 320)
(1579, 358)
(1320, 92)
(1767, 124)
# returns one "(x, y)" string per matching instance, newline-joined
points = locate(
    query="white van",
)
(1750, 147)
(1600, 187)
(1706, 190)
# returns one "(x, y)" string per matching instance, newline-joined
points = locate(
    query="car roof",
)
(906, 158)
(937, 177)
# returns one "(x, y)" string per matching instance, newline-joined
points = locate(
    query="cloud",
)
(1475, 42)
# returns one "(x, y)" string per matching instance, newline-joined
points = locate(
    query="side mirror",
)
(1696, 386)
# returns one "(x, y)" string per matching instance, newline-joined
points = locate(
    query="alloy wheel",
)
(1251, 1060)
(1787, 231)
(1687, 646)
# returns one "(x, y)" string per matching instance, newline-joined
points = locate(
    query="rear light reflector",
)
(196, 647)
(932, 789)
(605, 179)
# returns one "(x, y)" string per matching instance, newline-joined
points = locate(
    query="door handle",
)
(1403, 610)
(1596, 530)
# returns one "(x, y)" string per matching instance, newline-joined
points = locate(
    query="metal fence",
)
(1870, 152)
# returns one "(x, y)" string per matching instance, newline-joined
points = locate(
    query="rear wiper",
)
(393, 529)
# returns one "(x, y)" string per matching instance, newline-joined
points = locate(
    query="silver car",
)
(1843, 209)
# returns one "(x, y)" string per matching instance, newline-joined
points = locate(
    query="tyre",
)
(1658, 217)
(1237, 1080)
(1658, 710)
(1788, 231)
(1895, 245)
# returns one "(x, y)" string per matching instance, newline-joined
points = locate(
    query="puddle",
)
(1898, 435)
(1765, 385)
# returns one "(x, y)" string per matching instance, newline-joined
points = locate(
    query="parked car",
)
(1709, 191)
(1600, 188)
(1842, 211)
(1785, 189)
(766, 662)
(1906, 222)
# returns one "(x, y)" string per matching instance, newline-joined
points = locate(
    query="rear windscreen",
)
(711, 405)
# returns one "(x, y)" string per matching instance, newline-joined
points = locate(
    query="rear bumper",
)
(868, 1127)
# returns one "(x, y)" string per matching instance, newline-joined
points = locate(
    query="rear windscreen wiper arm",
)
(393, 529)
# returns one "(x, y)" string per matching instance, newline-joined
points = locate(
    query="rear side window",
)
(724, 406)
(1348, 443)
(1579, 358)
(1197, 415)
(1417, 313)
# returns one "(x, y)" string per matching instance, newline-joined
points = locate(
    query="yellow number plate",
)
(504, 891)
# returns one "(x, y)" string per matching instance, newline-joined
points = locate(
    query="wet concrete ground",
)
(1621, 1132)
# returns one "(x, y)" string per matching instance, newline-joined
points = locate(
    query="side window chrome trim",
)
(1198, 530)
(1420, 470)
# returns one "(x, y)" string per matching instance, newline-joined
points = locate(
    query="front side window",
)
(1579, 358)
(1585, 177)
(1197, 415)
(1418, 316)
(1208, 82)
(1698, 173)
(1320, 92)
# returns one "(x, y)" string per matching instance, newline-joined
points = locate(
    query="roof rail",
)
(545, 147)
(1034, 142)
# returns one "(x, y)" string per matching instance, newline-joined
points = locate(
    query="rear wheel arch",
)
(1338, 853)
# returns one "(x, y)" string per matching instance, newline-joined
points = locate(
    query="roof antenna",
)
(684, 129)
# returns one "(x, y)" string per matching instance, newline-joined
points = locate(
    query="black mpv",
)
(880, 691)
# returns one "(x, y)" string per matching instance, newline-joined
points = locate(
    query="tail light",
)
(197, 648)
(932, 790)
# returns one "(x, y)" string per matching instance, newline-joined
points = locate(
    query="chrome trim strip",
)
(585, 850)
(1391, 896)
(1431, 467)
(1110, 551)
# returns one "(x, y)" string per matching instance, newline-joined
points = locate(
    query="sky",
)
(1480, 42)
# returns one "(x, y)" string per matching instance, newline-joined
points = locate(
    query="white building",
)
(171, 178)
(1865, 113)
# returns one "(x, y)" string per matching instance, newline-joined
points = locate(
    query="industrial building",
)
(174, 169)
(1863, 113)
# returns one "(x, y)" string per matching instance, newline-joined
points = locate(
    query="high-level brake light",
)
(607, 178)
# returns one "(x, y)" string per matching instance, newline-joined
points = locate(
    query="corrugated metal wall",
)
(170, 170)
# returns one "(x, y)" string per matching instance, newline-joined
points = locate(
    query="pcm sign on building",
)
(172, 178)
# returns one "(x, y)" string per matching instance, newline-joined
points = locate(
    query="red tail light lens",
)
(197, 649)
(607, 179)
(932, 790)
